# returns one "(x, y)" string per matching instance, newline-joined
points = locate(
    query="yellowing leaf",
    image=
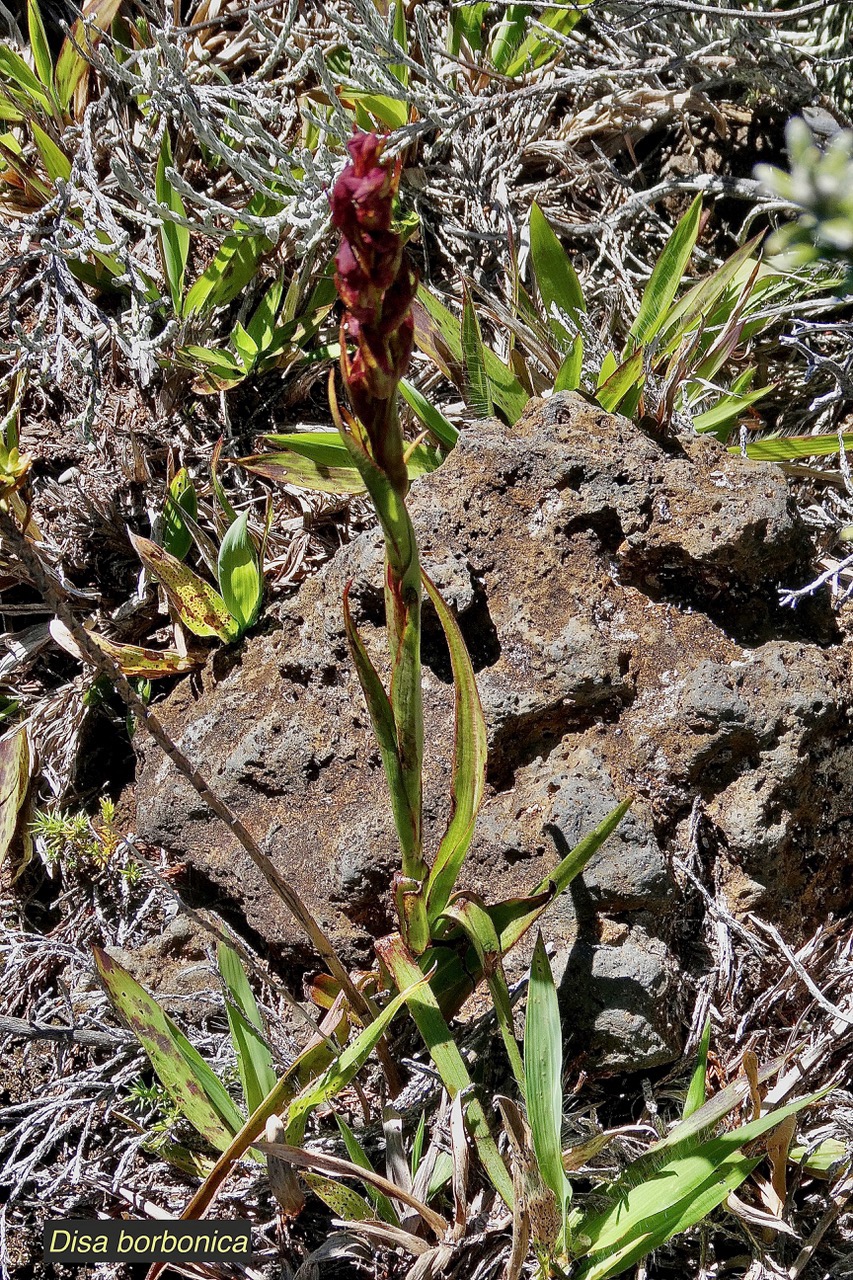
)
(199, 607)
(14, 781)
(184, 1074)
(132, 659)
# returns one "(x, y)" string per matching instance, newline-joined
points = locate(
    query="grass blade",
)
(696, 1092)
(443, 430)
(513, 919)
(793, 448)
(342, 1070)
(437, 328)
(556, 281)
(624, 379)
(71, 66)
(39, 45)
(358, 1156)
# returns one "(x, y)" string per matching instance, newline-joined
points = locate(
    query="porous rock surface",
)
(619, 596)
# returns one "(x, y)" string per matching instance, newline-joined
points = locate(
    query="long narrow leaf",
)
(358, 1156)
(474, 361)
(339, 1074)
(621, 382)
(39, 45)
(174, 238)
(664, 1197)
(696, 1092)
(667, 276)
(443, 430)
(513, 919)
(183, 1073)
(507, 392)
(438, 1038)
(556, 280)
(71, 66)
(254, 1059)
(384, 729)
(792, 448)
(543, 1069)
(470, 754)
(470, 914)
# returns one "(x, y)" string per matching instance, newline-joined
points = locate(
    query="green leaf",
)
(199, 607)
(220, 368)
(466, 23)
(696, 1093)
(357, 1155)
(391, 112)
(721, 418)
(262, 326)
(727, 1177)
(794, 448)
(401, 36)
(254, 1060)
(507, 36)
(469, 913)
(557, 283)
(71, 66)
(444, 1052)
(245, 346)
(537, 48)
(515, 917)
(174, 239)
(19, 77)
(543, 1071)
(640, 1216)
(339, 1074)
(182, 1071)
(39, 45)
(625, 379)
(569, 374)
(293, 467)
(473, 358)
(443, 430)
(436, 327)
(55, 161)
(470, 753)
(15, 766)
(384, 730)
(181, 500)
(235, 263)
(666, 277)
(240, 578)
(342, 1200)
(698, 302)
